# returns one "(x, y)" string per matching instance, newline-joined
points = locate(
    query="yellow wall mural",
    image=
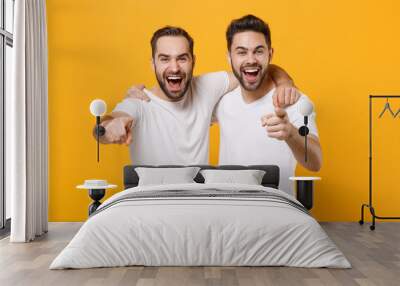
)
(338, 52)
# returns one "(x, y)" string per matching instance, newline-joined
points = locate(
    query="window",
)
(6, 57)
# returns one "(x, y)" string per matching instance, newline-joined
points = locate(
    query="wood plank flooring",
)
(375, 257)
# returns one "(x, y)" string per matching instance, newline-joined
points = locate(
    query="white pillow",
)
(165, 176)
(248, 177)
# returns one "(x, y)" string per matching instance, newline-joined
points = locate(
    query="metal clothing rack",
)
(369, 205)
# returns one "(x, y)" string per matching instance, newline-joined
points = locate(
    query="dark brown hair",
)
(170, 31)
(248, 23)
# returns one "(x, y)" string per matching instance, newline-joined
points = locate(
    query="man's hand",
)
(136, 91)
(285, 96)
(278, 125)
(118, 131)
(286, 93)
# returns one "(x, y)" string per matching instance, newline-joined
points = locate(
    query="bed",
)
(201, 224)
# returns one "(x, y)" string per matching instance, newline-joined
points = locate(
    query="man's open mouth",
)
(250, 74)
(174, 82)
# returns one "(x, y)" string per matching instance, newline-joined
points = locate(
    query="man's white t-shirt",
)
(175, 132)
(243, 140)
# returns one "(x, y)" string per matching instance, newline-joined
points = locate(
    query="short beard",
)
(173, 96)
(242, 82)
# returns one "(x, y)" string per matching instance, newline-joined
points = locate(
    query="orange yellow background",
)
(338, 52)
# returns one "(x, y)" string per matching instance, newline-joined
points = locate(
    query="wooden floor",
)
(375, 256)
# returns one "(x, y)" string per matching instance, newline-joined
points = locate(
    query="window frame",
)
(6, 39)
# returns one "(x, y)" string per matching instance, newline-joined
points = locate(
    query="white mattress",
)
(183, 231)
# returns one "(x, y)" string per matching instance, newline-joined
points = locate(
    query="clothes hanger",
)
(387, 107)
(398, 112)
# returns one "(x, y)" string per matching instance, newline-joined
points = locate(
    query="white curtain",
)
(27, 124)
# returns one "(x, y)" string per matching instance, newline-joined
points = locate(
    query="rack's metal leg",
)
(361, 221)
(372, 227)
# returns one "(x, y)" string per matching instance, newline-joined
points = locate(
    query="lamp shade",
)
(98, 107)
(305, 107)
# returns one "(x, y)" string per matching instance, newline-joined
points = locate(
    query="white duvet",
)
(183, 231)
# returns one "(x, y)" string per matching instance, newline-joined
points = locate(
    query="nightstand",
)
(97, 190)
(305, 190)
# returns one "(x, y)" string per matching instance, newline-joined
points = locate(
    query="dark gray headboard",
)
(270, 179)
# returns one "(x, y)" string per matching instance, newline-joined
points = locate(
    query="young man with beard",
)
(253, 130)
(173, 128)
